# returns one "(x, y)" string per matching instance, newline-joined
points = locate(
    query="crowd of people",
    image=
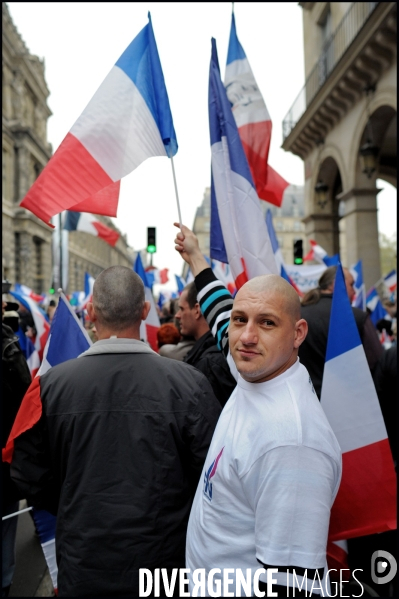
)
(212, 453)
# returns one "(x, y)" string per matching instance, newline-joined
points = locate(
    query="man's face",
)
(349, 283)
(263, 338)
(186, 316)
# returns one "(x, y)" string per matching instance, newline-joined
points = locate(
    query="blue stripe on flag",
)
(45, 524)
(66, 340)
(343, 334)
(235, 51)
(140, 61)
(139, 269)
(217, 247)
(71, 220)
(271, 231)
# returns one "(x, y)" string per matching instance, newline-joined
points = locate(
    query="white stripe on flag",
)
(358, 422)
(131, 135)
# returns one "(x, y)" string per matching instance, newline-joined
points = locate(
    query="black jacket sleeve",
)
(31, 468)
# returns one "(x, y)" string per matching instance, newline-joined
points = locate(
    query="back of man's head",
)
(191, 294)
(118, 297)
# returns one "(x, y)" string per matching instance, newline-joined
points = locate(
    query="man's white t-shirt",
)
(270, 478)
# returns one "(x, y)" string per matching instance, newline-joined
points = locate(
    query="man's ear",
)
(301, 330)
(197, 311)
(91, 312)
(145, 311)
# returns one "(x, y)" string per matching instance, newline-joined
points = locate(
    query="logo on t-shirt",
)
(210, 473)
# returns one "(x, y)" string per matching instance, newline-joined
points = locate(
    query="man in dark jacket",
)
(204, 354)
(118, 450)
(16, 379)
(316, 309)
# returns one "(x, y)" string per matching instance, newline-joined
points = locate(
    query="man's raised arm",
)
(214, 298)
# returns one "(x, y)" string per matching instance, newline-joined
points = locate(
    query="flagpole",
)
(176, 192)
(60, 247)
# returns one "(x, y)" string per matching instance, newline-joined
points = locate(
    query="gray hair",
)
(118, 297)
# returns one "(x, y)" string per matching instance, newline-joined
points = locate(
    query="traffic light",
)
(298, 251)
(151, 240)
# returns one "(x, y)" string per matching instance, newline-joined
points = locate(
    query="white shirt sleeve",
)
(291, 490)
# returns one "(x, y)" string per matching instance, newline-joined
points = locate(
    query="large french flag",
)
(149, 327)
(87, 223)
(253, 121)
(42, 326)
(239, 234)
(127, 121)
(366, 501)
(67, 340)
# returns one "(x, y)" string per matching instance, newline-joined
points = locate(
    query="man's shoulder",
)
(142, 365)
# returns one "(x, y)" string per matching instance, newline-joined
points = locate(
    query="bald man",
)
(118, 450)
(274, 465)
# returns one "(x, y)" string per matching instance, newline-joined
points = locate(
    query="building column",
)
(321, 227)
(360, 231)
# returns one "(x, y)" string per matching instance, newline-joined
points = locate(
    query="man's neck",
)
(132, 333)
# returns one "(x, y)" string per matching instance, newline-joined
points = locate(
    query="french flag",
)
(277, 252)
(148, 327)
(88, 291)
(391, 281)
(366, 501)
(87, 223)
(127, 121)
(239, 234)
(156, 276)
(39, 318)
(374, 305)
(28, 292)
(359, 300)
(319, 254)
(67, 340)
(253, 121)
(180, 282)
(30, 352)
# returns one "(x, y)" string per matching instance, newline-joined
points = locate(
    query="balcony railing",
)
(333, 50)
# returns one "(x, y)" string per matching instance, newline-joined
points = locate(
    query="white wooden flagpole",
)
(176, 192)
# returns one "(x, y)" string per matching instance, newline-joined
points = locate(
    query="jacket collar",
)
(118, 346)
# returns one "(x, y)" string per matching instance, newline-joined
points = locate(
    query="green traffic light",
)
(298, 261)
(51, 291)
(151, 249)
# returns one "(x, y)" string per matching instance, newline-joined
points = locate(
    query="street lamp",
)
(321, 190)
(368, 156)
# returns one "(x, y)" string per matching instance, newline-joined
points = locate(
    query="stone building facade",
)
(27, 241)
(345, 114)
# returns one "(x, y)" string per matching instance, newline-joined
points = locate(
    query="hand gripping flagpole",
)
(176, 192)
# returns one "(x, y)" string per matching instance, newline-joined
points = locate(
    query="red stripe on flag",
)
(337, 559)
(242, 277)
(152, 336)
(28, 414)
(366, 500)
(103, 202)
(105, 233)
(71, 176)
